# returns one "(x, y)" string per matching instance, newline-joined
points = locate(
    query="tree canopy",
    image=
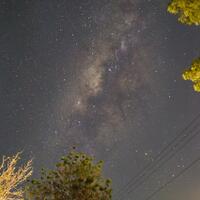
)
(188, 11)
(193, 74)
(76, 177)
(11, 178)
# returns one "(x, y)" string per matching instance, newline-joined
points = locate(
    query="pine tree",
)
(76, 177)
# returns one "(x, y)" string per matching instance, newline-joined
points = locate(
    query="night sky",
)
(104, 76)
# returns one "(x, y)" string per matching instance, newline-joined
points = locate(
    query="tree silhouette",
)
(76, 177)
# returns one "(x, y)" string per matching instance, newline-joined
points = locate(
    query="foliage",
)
(193, 74)
(187, 10)
(10, 178)
(76, 177)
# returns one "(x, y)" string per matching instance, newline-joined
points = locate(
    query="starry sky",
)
(104, 76)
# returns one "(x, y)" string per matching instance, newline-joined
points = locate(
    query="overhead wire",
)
(185, 134)
(173, 179)
(162, 163)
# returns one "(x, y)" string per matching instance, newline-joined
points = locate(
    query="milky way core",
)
(113, 80)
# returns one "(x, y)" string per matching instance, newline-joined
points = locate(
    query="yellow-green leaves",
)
(188, 11)
(76, 177)
(193, 74)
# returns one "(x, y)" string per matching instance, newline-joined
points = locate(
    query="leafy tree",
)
(189, 13)
(76, 177)
(10, 178)
(193, 74)
(187, 10)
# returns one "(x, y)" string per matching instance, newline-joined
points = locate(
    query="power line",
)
(169, 148)
(160, 156)
(158, 165)
(173, 179)
(162, 163)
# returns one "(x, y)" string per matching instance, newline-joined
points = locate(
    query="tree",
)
(11, 179)
(187, 10)
(193, 74)
(76, 177)
(189, 13)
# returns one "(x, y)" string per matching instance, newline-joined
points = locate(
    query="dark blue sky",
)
(104, 76)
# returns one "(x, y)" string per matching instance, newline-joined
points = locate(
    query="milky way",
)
(112, 83)
(103, 76)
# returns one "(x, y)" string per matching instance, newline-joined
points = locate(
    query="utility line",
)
(170, 147)
(162, 163)
(160, 155)
(173, 179)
